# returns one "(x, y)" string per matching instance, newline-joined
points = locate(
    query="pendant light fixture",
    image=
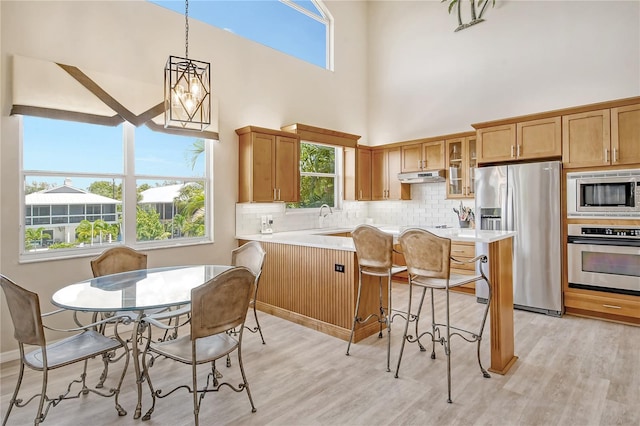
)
(187, 84)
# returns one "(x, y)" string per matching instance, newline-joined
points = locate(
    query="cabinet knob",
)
(606, 155)
(512, 156)
(615, 156)
(517, 150)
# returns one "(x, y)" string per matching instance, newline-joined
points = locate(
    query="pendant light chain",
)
(186, 29)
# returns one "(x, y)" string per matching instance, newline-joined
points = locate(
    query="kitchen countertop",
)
(322, 238)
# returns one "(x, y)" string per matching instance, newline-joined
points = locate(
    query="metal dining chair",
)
(251, 255)
(428, 259)
(24, 309)
(218, 307)
(374, 250)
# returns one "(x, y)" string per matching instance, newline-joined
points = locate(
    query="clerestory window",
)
(300, 28)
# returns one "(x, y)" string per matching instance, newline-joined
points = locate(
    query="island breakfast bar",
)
(311, 278)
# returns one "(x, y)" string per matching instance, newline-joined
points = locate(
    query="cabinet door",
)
(287, 169)
(263, 168)
(411, 158)
(394, 162)
(433, 155)
(539, 138)
(470, 165)
(378, 174)
(497, 143)
(455, 169)
(625, 135)
(363, 175)
(586, 139)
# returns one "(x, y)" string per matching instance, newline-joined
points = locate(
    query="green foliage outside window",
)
(317, 176)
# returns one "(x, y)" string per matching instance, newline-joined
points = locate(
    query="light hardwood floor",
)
(570, 371)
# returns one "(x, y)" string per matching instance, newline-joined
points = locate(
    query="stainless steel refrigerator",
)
(525, 198)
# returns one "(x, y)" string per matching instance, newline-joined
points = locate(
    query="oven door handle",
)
(604, 241)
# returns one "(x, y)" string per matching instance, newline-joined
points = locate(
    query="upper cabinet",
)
(385, 166)
(525, 140)
(602, 138)
(268, 165)
(423, 156)
(363, 174)
(625, 135)
(461, 164)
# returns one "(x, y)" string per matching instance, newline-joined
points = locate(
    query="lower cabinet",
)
(622, 308)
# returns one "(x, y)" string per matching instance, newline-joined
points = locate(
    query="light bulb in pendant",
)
(194, 86)
(178, 95)
(189, 102)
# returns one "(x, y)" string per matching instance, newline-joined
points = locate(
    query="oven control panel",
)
(604, 231)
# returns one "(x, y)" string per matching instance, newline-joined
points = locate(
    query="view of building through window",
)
(76, 180)
(295, 27)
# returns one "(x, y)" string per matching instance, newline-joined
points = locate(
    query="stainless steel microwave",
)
(605, 194)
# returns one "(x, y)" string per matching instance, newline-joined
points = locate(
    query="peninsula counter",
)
(310, 277)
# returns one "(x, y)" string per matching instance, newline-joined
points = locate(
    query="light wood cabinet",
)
(385, 166)
(461, 164)
(520, 141)
(603, 305)
(268, 165)
(625, 135)
(423, 156)
(464, 251)
(363, 174)
(586, 140)
(607, 137)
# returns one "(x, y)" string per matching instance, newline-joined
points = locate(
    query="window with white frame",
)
(82, 181)
(319, 175)
(300, 28)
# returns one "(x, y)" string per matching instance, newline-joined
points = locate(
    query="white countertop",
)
(320, 238)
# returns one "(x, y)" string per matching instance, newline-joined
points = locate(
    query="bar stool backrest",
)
(426, 254)
(374, 248)
(24, 308)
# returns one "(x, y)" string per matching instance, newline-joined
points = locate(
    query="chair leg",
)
(406, 328)
(485, 373)
(355, 315)
(417, 319)
(194, 380)
(447, 351)
(244, 379)
(380, 307)
(45, 377)
(433, 325)
(387, 319)
(255, 315)
(105, 371)
(121, 411)
(12, 402)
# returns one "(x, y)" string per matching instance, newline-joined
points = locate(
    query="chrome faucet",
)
(327, 206)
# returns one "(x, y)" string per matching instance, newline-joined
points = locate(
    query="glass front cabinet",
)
(461, 165)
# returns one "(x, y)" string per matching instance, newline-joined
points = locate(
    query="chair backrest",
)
(118, 259)
(221, 303)
(250, 255)
(426, 254)
(374, 248)
(24, 308)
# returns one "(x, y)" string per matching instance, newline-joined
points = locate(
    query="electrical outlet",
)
(339, 268)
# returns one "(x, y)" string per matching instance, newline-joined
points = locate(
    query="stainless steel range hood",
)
(428, 176)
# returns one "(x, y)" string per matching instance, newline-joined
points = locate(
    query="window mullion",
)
(129, 191)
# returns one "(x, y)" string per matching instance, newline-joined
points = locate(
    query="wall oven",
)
(613, 193)
(604, 258)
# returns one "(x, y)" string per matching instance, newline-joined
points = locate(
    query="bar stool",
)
(428, 258)
(374, 249)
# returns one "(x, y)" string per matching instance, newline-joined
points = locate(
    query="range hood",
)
(428, 176)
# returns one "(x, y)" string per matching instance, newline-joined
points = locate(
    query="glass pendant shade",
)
(187, 100)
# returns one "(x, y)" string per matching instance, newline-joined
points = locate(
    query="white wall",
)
(527, 57)
(255, 85)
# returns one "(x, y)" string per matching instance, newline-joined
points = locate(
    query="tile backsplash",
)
(428, 207)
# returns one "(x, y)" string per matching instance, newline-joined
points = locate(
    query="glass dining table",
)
(136, 292)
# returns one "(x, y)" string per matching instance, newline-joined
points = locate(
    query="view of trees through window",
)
(317, 176)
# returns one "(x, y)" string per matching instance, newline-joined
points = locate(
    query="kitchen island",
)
(311, 277)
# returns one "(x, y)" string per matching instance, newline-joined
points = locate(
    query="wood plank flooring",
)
(570, 371)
